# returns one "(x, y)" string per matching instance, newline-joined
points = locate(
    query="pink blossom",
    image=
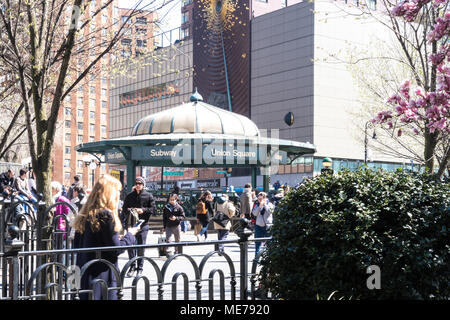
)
(409, 113)
(404, 89)
(431, 108)
(437, 59)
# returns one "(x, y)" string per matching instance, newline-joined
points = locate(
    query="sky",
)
(170, 13)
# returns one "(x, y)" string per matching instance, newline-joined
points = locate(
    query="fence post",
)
(12, 248)
(39, 222)
(243, 234)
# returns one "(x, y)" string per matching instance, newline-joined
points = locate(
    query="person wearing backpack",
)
(76, 183)
(203, 211)
(225, 210)
(263, 214)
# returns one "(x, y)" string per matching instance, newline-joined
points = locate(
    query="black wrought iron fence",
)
(30, 271)
(54, 277)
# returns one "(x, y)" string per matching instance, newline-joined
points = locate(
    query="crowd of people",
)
(103, 219)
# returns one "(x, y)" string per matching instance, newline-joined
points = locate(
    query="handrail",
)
(139, 246)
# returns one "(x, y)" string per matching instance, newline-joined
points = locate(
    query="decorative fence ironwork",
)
(29, 271)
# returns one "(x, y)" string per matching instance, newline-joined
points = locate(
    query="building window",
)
(103, 129)
(185, 17)
(92, 127)
(80, 100)
(80, 138)
(92, 103)
(67, 111)
(124, 19)
(67, 163)
(126, 42)
(125, 53)
(104, 104)
(91, 139)
(141, 43)
(141, 20)
(92, 115)
(103, 117)
(185, 33)
(80, 125)
(80, 164)
(67, 122)
(372, 4)
(104, 82)
(67, 176)
(67, 150)
(92, 90)
(80, 113)
(104, 93)
(141, 31)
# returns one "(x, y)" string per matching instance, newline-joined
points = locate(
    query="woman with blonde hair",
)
(98, 225)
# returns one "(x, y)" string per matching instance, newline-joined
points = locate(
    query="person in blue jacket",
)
(98, 225)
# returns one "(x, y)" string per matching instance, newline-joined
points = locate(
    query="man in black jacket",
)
(145, 206)
(7, 182)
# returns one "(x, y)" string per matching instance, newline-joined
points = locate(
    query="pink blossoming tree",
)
(421, 104)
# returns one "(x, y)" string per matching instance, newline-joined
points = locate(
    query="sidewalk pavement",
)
(183, 265)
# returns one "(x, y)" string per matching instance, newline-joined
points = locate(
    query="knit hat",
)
(141, 180)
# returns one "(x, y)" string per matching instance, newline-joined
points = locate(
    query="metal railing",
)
(29, 272)
(52, 277)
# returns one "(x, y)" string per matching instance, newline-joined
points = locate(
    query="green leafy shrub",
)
(330, 229)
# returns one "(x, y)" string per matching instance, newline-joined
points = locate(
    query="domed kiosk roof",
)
(196, 117)
(195, 134)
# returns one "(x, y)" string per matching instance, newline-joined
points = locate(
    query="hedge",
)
(330, 229)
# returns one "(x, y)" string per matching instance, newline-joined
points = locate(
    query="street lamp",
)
(327, 163)
(89, 161)
(366, 141)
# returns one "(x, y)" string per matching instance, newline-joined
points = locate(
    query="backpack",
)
(201, 208)
(133, 217)
(221, 218)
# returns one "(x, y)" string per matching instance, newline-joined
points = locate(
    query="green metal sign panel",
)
(199, 155)
(174, 173)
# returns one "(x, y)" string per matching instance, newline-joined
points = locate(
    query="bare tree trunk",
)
(429, 150)
(444, 163)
